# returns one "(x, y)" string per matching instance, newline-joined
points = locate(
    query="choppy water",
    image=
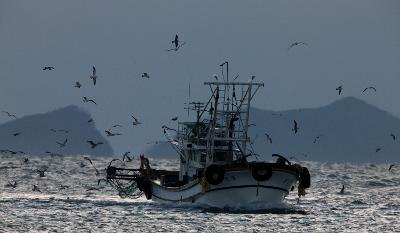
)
(371, 202)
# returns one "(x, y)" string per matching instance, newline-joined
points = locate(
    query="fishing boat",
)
(215, 167)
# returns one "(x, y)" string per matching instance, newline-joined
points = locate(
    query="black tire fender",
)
(215, 174)
(261, 171)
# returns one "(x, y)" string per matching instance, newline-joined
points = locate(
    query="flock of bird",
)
(177, 44)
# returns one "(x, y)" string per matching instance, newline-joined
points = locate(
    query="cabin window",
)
(220, 156)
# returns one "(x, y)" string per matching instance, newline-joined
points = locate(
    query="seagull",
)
(48, 68)
(90, 161)
(339, 88)
(317, 137)
(168, 128)
(378, 149)
(11, 185)
(109, 134)
(59, 130)
(10, 115)
(41, 172)
(269, 138)
(78, 84)
(36, 189)
(16, 134)
(126, 155)
(390, 167)
(295, 126)
(342, 190)
(393, 136)
(297, 43)
(174, 118)
(176, 43)
(85, 100)
(136, 122)
(63, 187)
(62, 144)
(94, 76)
(93, 144)
(372, 88)
(145, 75)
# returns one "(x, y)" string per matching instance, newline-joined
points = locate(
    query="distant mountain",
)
(346, 130)
(37, 133)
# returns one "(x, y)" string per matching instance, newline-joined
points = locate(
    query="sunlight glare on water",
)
(71, 200)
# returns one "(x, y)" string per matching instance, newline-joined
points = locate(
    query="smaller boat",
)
(213, 158)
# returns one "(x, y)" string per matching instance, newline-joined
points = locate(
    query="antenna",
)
(188, 101)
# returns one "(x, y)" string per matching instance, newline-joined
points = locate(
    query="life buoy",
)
(304, 180)
(215, 174)
(261, 171)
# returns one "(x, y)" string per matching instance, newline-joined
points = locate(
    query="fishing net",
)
(125, 181)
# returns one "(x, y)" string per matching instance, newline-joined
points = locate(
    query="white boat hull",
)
(238, 188)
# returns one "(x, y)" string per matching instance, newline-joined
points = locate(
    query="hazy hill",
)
(36, 136)
(350, 130)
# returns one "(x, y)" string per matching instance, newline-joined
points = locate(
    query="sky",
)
(355, 44)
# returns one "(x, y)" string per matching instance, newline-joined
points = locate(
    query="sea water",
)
(71, 201)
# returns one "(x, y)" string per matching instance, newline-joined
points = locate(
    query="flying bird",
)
(10, 115)
(390, 167)
(369, 88)
(295, 126)
(339, 89)
(11, 185)
(316, 138)
(85, 100)
(36, 189)
(126, 155)
(59, 130)
(215, 76)
(110, 134)
(342, 190)
(90, 120)
(114, 126)
(41, 172)
(297, 43)
(63, 143)
(63, 187)
(176, 41)
(16, 134)
(174, 118)
(177, 44)
(168, 128)
(93, 144)
(90, 161)
(145, 75)
(378, 149)
(78, 84)
(393, 136)
(269, 138)
(94, 76)
(136, 122)
(48, 68)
